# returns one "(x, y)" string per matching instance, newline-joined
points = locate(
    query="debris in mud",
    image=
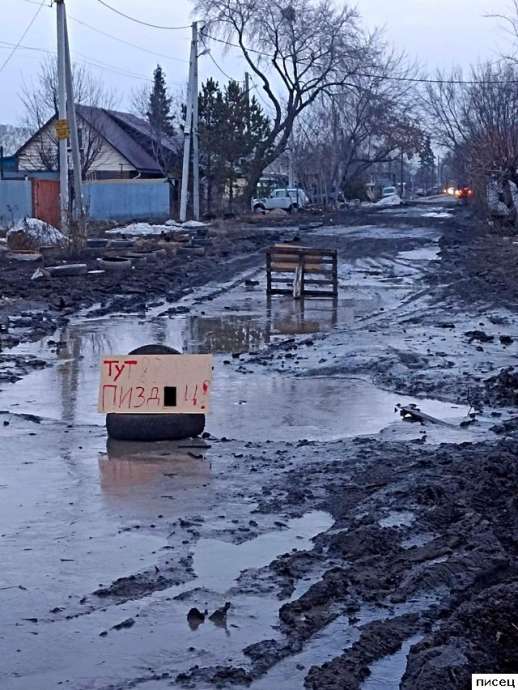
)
(195, 618)
(219, 617)
(125, 624)
(412, 413)
(479, 337)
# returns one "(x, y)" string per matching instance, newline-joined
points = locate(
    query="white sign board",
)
(155, 384)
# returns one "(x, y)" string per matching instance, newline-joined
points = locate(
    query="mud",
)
(365, 552)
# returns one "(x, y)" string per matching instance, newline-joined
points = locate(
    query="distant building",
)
(113, 145)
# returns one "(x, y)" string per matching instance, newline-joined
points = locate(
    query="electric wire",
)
(367, 75)
(140, 21)
(381, 77)
(24, 34)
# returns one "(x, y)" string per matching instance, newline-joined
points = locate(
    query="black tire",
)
(259, 207)
(154, 427)
(115, 263)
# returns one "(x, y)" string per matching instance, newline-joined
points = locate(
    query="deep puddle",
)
(255, 406)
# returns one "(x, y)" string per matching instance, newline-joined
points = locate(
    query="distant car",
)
(288, 199)
(388, 191)
(464, 193)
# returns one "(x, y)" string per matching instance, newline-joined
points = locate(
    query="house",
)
(113, 145)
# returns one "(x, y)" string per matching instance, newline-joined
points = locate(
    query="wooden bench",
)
(301, 271)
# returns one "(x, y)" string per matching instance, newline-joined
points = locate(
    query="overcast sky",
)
(438, 33)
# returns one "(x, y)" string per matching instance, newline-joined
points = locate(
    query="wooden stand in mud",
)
(290, 269)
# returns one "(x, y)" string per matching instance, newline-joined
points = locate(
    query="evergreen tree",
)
(159, 106)
(231, 126)
(427, 163)
(211, 128)
(236, 140)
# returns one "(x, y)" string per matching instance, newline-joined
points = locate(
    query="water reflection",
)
(126, 465)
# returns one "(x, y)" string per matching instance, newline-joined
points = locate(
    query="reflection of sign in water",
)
(167, 384)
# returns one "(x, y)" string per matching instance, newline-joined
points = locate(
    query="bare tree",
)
(477, 120)
(296, 51)
(347, 132)
(40, 103)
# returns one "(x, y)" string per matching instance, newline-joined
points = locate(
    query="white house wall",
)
(108, 160)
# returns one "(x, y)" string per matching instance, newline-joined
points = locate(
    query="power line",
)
(116, 38)
(382, 77)
(128, 43)
(85, 59)
(24, 34)
(139, 21)
(220, 69)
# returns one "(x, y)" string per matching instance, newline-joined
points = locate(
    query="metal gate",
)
(45, 201)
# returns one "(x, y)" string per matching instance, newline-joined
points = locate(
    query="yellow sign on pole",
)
(155, 384)
(62, 129)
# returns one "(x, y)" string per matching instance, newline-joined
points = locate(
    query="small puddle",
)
(422, 254)
(218, 564)
(387, 673)
(402, 518)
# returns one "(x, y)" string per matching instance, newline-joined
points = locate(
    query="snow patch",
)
(33, 233)
(136, 229)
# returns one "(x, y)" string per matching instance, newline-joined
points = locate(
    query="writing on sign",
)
(154, 384)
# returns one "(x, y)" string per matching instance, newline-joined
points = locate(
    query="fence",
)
(127, 200)
(117, 200)
(15, 201)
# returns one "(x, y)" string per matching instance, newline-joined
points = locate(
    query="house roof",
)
(131, 136)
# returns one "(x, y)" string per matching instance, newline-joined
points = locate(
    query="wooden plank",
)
(268, 274)
(289, 249)
(329, 256)
(418, 416)
(317, 293)
(292, 268)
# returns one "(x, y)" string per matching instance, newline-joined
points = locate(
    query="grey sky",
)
(438, 33)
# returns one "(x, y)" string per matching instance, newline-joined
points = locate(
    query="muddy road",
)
(325, 542)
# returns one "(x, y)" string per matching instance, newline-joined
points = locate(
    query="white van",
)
(287, 199)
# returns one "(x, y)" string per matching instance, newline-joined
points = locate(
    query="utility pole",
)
(291, 173)
(402, 176)
(74, 136)
(62, 124)
(247, 96)
(195, 133)
(187, 132)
